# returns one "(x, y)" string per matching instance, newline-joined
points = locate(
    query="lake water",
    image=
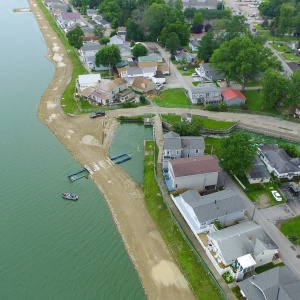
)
(50, 248)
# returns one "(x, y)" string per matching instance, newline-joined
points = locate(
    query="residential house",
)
(126, 95)
(278, 161)
(151, 57)
(89, 80)
(233, 97)
(199, 173)
(187, 56)
(277, 283)
(206, 93)
(92, 39)
(67, 19)
(53, 6)
(207, 73)
(90, 60)
(244, 244)
(164, 69)
(122, 45)
(200, 211)
(143, 85)
(197, 36)
(71, 27)
(159, 78)
(86, 93)
(47, 2)
(193, 45)
(89, 49)
(88, 31)
(100, 21)
(122, 32)
(91, 12)
(176, 146)
(133, 72)
(206, 4)
(147, 64)
(259, 173)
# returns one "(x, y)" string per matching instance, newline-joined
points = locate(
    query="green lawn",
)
(208, 123)
(291, 57)
(212, 146)
(280, 47)
(188, 72)
(68, 103)
(267, 267)
(254, 100)
(173, 98)
(253, 84)
(193, 270)
(292, 228)
(280, 38)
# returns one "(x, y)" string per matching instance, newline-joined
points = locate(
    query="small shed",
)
(187, 117)
(233, 97)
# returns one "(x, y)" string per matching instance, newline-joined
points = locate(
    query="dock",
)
(116, 161)
(78, 175)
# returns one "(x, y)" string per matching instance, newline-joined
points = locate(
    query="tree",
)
(178, 5)
(99, 30)
(113, 33)
(293, 97)
(235, 27)
(207, 27)
(242, 60)
(297, 23)
(290, 149)
(84, 5)
(186, 128)
(104, 41)
(139, 50)
(275, 89)
(75, 37)
(173, 43)
(183, 32)
(110, 10)
(143, 99)
(237, 153)
(220, 6)
(198, 28)
(207, 46)
(198, 19)
(108, 55)
(189, 13)
(134, 31)
(132, 43)
(286, 19)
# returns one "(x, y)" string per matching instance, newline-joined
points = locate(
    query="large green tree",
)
(293, 97)
(286, 19)
(173, 43)
(139, 50)
(108, 55)
(275, 89)
(237, 153)
(110, 10)
(207, 46)
(134, 31)
(75, 37)
(99, 30)
(189, 13)
(198, 19)
(182, 30)
(235, 27)
(242, 60)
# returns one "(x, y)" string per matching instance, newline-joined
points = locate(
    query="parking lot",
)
(293, 201)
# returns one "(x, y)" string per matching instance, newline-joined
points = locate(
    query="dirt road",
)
(88, 141)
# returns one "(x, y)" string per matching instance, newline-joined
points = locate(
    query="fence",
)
(215, 282)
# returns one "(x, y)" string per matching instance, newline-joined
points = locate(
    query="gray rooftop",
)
(194, 43)
(91, 46)
(279, 159)
(205, 87)
(259, 170)
(239, 240)
(214, 205)
(173, 140)
(136, 71)
(278, 283)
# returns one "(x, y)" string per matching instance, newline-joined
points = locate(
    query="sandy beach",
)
(88, 141)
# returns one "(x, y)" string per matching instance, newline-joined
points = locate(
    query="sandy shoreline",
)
(82, 137)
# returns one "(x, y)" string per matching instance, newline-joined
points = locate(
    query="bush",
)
(228, 277)
(143, 99)
(128, 104)
(218, 225)
(212, 107)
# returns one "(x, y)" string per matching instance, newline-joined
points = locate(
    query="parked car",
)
(97, 114)
(287, 51)
(294, 190)
(276, 195)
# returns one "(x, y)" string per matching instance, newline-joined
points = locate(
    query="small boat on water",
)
(69, 196)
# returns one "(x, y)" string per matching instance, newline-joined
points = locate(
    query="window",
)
(177, 152)
(197, 151)
(188, 155)
(206, 94)
(216, 94)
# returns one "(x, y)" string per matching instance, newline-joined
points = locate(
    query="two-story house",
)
(66, 19)
(176, 146)
(206, 72)
(205, 94)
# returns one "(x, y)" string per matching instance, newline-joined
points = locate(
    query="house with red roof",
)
(233, 97)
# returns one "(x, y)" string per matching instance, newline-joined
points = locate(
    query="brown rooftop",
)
(120, 81)
(163, 68)
(145, 64)
(194, 165)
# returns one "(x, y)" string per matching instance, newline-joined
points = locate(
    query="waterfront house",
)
(259, 173)
(200, 211)
(245, 245)
(278, 161)
(143, 85)
(88, 80)
(66, 19)
(206, 94)
(233, 97)
(277, 283)
(176, 146)
(200, 173)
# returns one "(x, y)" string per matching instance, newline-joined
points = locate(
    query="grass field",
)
(208, 123)
(193, 270)
(292, 227)
(173, 98)
(267, 267)
(188, 72)
(280, 47)
(291, 57)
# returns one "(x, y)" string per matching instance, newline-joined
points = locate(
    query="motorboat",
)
(69, 196)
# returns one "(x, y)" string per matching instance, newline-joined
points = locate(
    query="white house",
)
(66, 19)
(199, 173)
(206, 93)
(259, 173)
(89, 80)
(200, 211)
(159, 77)
(278, 161)
(187, 56)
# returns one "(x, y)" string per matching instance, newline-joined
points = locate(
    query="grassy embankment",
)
(173, 98)
(68, 102)
(194, 272)
(291, 229)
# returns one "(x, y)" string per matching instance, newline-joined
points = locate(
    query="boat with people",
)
(69, 196)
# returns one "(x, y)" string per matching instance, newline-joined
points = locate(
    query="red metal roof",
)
(231, 94)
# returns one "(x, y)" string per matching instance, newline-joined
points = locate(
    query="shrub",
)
(228, 277)
(128, 104)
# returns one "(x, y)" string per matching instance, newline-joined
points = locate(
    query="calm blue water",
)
(50, 248)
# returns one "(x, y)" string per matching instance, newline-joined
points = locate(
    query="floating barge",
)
(78, 175)
(122, 158)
